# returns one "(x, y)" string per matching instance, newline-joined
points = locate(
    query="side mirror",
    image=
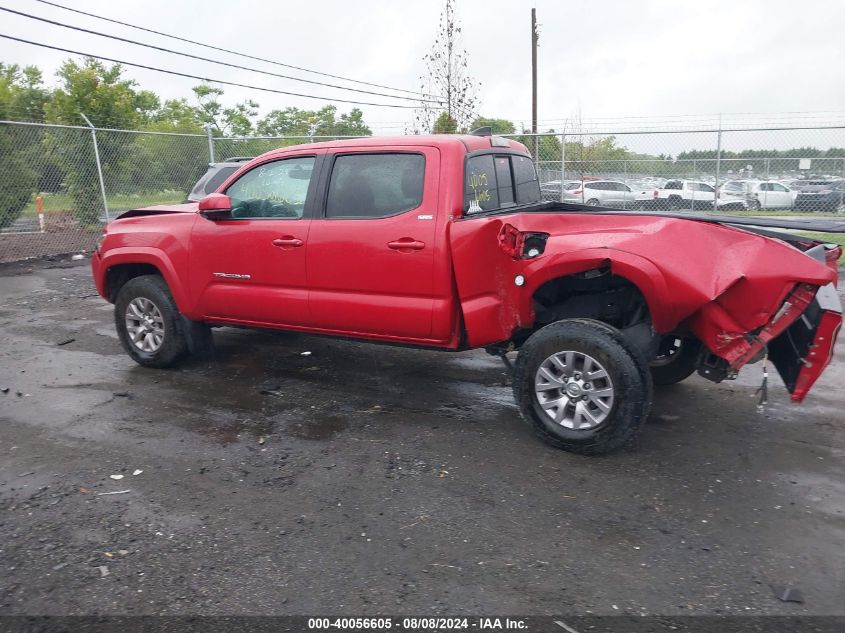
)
(216, 206)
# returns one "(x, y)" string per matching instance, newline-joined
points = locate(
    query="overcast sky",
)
(652, 58)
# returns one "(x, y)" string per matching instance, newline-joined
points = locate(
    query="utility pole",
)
(534, 37)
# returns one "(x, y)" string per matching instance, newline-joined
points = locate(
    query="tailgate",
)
(802, 351)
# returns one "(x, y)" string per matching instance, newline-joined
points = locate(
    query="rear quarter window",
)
(498, 181)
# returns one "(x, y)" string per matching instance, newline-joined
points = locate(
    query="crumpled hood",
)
(187, 207)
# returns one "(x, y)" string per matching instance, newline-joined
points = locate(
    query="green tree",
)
(498, 126)
(109, 101)
(236, 120)
(444, 124)
(322, 122)
(447, 78)
(22, 97)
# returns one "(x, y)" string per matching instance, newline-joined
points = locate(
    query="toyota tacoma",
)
(443, 242)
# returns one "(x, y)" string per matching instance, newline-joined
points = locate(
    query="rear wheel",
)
(148, 322)
(582, 386)
(593, 202)
(675, 361)
(754, 205)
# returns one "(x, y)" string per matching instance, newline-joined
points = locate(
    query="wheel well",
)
(118, 275)
(595, 294)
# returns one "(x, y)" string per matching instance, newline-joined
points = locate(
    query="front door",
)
(250, 267)
(371, 253)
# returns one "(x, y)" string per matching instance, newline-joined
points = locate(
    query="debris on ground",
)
(305, 354)
(104, 571)
(261, 439)
(116, 477)
(77, 257)
(4, 389)
(65, 341)
(121, 394)
(136, 472)
(116, 492)
(787, 594)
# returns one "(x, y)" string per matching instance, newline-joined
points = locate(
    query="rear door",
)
(371, 249)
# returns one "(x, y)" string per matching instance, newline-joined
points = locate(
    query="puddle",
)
(322, 428)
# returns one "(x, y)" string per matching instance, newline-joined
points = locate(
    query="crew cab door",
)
(371, 251)
(250, 265)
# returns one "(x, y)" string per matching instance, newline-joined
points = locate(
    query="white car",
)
(608, 193)
(679, 195)
(758, 194)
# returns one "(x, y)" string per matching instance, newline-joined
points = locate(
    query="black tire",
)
(593, 202)
(625, 365)
(754, 205)
(676, 360)
(174, 345)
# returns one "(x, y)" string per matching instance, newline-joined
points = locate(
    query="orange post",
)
(39, 204)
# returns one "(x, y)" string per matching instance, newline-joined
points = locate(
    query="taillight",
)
(577, 192)
(655, 193)
(831, 257)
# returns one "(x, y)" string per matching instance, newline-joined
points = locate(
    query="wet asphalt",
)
(293, 474)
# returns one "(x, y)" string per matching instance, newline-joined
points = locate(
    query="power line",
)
(206, 59)
(207, 79)
(231, 52)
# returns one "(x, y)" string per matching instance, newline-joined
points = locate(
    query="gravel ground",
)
(364, 479)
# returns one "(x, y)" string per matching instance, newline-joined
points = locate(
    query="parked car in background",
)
(821, 195)
(550, 190)
(612, 193)
(216, 174)
(691, 194)
(758, 194)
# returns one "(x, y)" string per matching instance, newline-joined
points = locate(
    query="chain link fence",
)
(771, 171)
(60, 184)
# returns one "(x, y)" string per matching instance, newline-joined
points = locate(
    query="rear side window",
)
(673, 184)
(375, 185)
(499, 181)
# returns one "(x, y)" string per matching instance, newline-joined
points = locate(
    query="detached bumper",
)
(802, 351)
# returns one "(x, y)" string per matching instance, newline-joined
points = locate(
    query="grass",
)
(828, 238)
(63, 202)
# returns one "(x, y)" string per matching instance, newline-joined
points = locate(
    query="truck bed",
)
(820, 225)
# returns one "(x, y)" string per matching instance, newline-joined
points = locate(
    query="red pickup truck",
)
(443, 242)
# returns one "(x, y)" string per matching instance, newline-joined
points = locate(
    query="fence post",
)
(625, 180)
(718, 164)
(210, 143)
(99, 167)
(562, 163)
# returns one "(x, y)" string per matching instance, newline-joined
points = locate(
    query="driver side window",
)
(272, 190)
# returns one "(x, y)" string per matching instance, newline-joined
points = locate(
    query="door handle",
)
(287, 242)
(406, 243)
